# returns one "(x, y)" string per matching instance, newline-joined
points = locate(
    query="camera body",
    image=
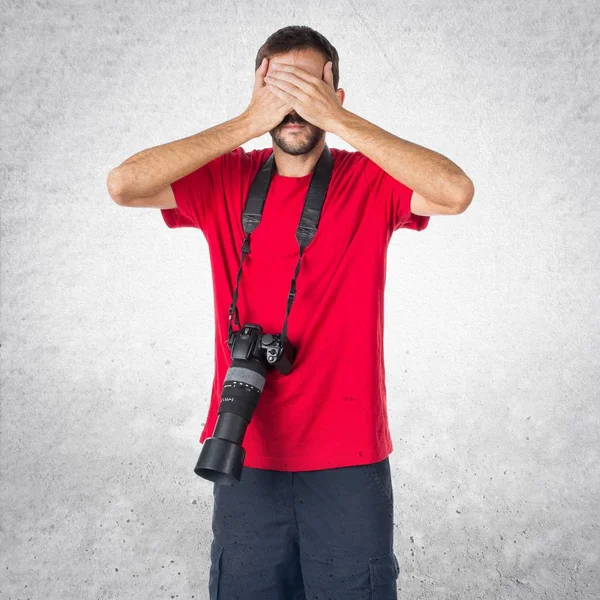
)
(251, 343)
(252, 352)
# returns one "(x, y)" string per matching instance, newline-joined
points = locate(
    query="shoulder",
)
(238, 162)
(252, 155)
(354, 165)
(345, 158)
(348, 162)
(247, 161)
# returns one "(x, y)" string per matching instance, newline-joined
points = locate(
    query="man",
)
(312, 516)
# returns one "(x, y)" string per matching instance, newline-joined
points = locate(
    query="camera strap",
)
(305, 232)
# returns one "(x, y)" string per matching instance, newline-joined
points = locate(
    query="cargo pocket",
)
(382, 479)
(384, 571)
(216, 552)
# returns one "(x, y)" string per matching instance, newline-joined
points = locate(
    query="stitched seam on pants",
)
(379, 482)
(294, 509)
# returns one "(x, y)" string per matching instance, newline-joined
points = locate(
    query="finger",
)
(289, 98)
(290, 79)
(328, 73)
(301, 73)
(290, 89)
(260, 74)
(257, 72)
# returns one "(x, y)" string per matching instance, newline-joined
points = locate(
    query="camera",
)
(252, 354)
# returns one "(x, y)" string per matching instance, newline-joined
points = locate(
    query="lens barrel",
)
(222, 456)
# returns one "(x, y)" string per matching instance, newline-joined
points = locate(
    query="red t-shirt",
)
(331, 410)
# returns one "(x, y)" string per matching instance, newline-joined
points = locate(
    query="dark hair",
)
(299, 37)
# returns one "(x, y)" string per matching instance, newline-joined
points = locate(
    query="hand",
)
(312, 98)
(266, 110)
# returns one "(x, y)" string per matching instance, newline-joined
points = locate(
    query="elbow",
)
(115, 186)
(465, 196)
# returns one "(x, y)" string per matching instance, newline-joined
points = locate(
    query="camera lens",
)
(222, 457)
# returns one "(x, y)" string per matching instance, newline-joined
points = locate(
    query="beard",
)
(301, 141)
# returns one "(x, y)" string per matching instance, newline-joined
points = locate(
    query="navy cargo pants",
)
(305, 535)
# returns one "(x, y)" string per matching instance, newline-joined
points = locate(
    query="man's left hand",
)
(313, 99)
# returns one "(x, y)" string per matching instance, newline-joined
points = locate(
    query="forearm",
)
(151, 170)
(425, 171)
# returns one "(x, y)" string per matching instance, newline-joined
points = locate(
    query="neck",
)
(290, 165)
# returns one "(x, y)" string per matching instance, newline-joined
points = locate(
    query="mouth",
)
(293, 126)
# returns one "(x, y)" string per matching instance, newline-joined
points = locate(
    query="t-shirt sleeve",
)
(194, 196)
(394, 197)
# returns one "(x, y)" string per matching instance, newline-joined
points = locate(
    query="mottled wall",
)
(492, 316)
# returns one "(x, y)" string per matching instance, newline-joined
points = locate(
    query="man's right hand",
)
(144, 179)
(266, 110)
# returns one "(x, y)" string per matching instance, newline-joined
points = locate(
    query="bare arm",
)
(144, 179)
(440, 187)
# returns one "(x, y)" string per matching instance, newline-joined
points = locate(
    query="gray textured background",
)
(492, 316)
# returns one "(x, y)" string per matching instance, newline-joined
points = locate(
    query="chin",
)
(290, 144)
